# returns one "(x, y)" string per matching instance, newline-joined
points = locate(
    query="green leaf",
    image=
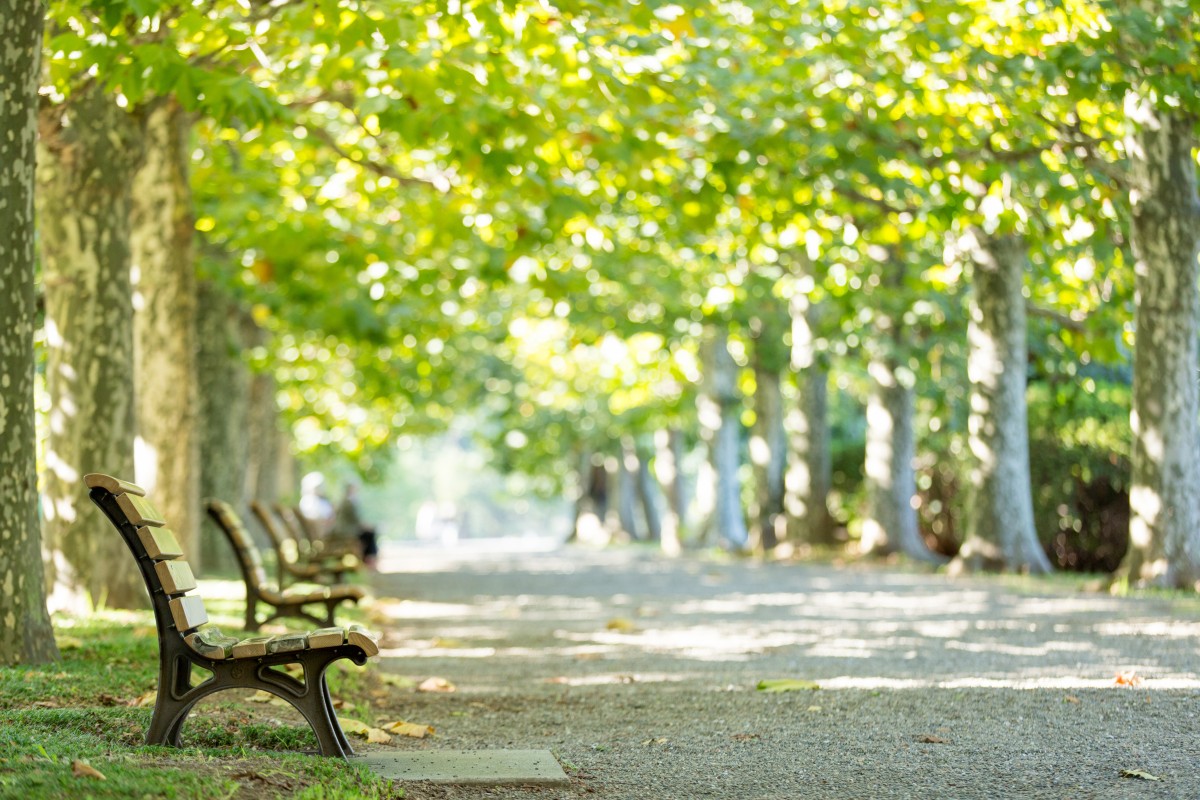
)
(787, 685)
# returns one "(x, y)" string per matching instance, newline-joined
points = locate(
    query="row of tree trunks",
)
(25, 633)
(89, 152)
(124, 346)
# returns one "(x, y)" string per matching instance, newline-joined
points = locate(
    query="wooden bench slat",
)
(211, 644)
(188, 612)
(140, 511)
(95, 480)
(253, 647)
(326, 637)
(287, 643)
(176, 576)
(357, 634)
(160, 543)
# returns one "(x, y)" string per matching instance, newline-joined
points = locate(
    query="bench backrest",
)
(249, 560)
(167, 575)
(281, 538)
(301, 527)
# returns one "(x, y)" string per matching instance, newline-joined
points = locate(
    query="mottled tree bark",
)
(768, 453)
(627, 469)
(224, 403)
(591, 505)
(89, 152)
(1000, 532)
(164, 285)
(647, 490)
(1164, 495)
(891, 482)
(809, 476)
(25, 633)
(891, 525)
(668, 467)
(262, 469)
(720, 415)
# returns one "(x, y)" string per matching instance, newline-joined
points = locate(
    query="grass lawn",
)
(77, 727)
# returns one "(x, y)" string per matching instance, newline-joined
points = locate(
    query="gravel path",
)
(639, 673)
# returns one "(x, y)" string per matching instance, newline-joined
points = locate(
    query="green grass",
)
(81, 710)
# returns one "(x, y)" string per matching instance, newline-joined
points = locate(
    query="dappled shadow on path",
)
(583, 617)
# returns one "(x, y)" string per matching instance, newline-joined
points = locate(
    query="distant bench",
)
(183, 642)
(281, 602)
(292, 562)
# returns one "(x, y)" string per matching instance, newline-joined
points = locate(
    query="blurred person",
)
(349, 526)
(315, 507)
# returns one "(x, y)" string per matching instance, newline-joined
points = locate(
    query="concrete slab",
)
(477, 767)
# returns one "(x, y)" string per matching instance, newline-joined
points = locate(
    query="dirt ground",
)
(640, 672)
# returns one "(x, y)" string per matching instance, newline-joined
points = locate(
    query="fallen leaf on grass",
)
(147, 699)
(1129, 679)
(659, 740)
(621, 625)
(402, 728)
(929, 739)
(745, 737)
(786, 685)
(1071, 699)
(356, 727)
(436, 685)
(46, 704)
(262, 696)
(1140, 774)
(398, 681)
(82, 769)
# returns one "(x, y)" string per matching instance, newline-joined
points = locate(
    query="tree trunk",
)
(168, 447)
(768, 452)
(1164, 495)
(999, 527)
(262, 469)
(721, 412)
(90, 150)
(25, 635)
(810, 466)
(891, 525)
(647, 489)
(591, 504)
(668, 467)
(224, 403)
(891, 482)
(627, 469)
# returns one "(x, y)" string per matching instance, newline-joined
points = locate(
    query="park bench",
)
(283, 603)
(184, 642)
(302, 530)
(293, 566)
